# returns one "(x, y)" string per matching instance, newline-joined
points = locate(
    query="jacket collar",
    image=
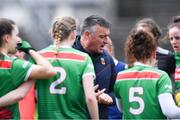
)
(77, 45)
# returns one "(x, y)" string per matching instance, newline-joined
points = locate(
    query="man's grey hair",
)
(93, 20)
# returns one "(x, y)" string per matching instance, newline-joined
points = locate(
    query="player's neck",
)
(65, 43)
(151, 62)
(3, 50)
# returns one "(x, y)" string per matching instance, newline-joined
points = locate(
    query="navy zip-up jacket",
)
(166, 61)
(105, 74)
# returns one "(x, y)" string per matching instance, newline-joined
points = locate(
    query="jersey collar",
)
(141, 64)
(63, 46)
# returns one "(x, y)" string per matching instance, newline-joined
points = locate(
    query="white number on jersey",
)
(62, 77)
(133, 98)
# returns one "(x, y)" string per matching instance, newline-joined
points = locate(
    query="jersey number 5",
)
(52, 88)
(132, 98)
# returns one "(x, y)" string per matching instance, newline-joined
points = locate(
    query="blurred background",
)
(34, 17)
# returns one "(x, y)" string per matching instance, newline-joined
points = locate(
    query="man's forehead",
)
(103, 30)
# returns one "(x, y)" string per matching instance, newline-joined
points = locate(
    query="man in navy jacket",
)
(94, 34)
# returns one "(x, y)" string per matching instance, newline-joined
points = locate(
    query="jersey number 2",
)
(133, 91)
(52, 88)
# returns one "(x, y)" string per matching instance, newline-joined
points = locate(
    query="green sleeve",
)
(31, 60)
(20, 71)
(164, 84)
(117, 89)
(177, 58)
(89, 68)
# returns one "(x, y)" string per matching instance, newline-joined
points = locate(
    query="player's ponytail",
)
(61, 29)
(139, 47)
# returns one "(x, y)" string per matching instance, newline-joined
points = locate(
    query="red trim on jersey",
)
(48, 54)
(177, 69)
(177, 78)
(5, 64)
(62, 55)
(177, 74)
(137, 75)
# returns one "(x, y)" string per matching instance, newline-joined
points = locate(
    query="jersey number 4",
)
(133, 92)
(52, 88)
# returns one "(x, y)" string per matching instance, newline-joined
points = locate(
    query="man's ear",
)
(86, 35)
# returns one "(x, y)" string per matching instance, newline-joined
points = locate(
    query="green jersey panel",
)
(13, 72)
(62, 96)
(138, 89)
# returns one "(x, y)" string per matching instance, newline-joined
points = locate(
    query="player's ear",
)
(6, 38)
(154, 54)
(52, 35)
(73, 35)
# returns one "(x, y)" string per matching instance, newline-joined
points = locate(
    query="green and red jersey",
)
(13, 72)
(177, 71)
(62, 96)
(138, 89)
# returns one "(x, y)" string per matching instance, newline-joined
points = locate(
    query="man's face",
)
(14, 38)
(97, 39)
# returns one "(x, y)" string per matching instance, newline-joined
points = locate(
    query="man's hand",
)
(24, 46)
(102, 97)
(98, 92)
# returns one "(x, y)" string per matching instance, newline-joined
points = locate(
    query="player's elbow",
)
(19, 96)
(91, 99)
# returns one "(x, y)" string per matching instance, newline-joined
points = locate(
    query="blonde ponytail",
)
(61, 29)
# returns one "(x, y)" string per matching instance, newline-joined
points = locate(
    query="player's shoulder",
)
(147, 69)
(47, 49)
(79, 52)
(5, 61)
(159, 72)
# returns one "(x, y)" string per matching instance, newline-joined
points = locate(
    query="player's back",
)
(63, 96)
(138, 89)
(5, 73)
(6, 80)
